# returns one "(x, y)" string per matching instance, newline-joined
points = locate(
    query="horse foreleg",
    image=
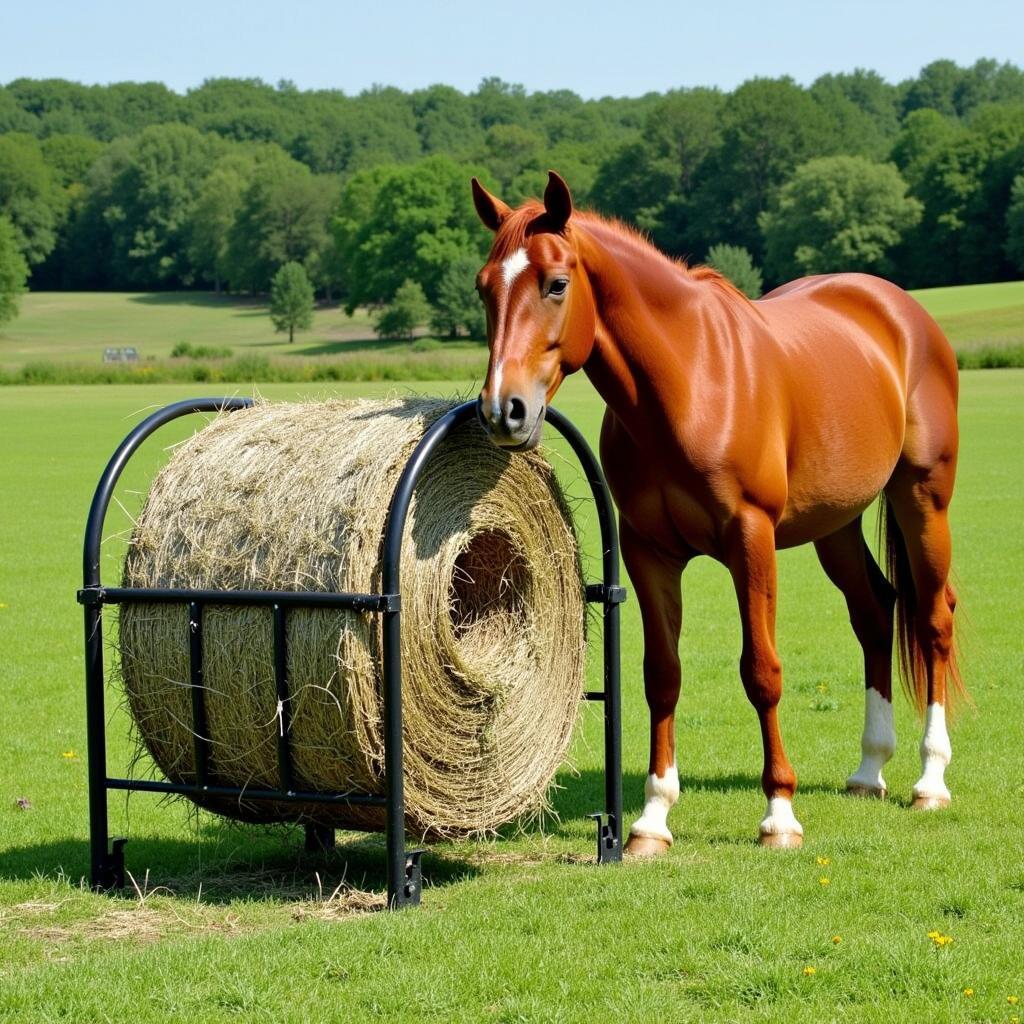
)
(656, 581)
(751, 559)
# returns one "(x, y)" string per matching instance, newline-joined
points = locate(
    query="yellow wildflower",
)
(836, 939)
(823, 861)
(69, 755)
(968, 992)
(1012, 1000)
(824, 881)
(810, 971)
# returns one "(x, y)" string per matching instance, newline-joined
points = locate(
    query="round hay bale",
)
(294, 497)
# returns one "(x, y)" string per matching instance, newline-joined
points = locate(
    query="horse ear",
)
(557, 201)
(491, 210)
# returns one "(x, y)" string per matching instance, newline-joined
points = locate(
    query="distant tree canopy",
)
(837, 213)
(135, 186)
(13, 272)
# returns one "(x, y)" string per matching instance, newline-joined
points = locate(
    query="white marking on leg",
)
(512, 266)
(779, 818)
(659, 797)
(936, 753)
(878, 742)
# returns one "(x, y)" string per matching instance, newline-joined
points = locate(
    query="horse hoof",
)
(867, 792)
(646, 847)
(930, 803)
(781, 840)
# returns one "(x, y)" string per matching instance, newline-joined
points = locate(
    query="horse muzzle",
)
(513, 422)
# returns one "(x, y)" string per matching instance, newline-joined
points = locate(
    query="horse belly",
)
(840, 462)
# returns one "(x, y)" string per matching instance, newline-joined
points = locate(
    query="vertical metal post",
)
(393, 781)
(200, 732)
(284, 752)
(610, 838)
(106, 869)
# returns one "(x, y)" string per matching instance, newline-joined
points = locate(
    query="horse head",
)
(540, 311)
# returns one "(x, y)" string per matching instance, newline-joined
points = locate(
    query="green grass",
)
(515, 930)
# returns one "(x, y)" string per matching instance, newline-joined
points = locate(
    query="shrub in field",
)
(291, 300)
(185, 350)
(426, 345)
(13, 272)
(735, 263)
(406, 311)
(990, 357)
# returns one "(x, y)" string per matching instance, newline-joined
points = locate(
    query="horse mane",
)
(640, 241)
(529, 218)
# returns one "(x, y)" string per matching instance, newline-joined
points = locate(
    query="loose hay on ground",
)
(294, 497)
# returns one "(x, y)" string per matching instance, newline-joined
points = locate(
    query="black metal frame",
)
(403, 865)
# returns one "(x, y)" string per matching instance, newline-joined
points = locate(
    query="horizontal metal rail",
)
(292, 598)
(294, 797)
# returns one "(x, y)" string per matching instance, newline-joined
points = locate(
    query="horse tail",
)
(913, 671)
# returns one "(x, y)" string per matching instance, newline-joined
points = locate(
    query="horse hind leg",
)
(920, 546)
(870, 600)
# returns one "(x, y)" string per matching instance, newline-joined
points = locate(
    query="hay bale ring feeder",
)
(404, 881)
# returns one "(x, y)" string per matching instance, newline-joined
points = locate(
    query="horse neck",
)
(648, 316)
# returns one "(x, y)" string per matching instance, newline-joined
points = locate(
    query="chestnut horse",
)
(734, 428)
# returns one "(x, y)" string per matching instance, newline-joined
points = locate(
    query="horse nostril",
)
(515, 412)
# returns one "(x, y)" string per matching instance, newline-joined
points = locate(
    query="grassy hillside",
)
(519, 929)
(70, 326)
(978, 314)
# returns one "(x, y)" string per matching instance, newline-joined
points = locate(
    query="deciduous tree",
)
(404, 313)
(837, 213)
(291, 300)
(13, 272)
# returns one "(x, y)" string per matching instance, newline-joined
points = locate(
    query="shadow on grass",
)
(207, 300)
(333, 348)
(227, 862)
(460, 346)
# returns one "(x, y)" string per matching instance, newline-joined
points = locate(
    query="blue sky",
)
(594, 48)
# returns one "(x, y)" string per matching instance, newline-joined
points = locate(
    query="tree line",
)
(133, 186)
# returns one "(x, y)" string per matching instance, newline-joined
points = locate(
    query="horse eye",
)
(558, 286)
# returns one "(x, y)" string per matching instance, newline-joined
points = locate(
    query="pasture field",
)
(231, 923)
(75, 327)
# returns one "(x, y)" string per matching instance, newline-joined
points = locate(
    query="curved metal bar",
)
(599, 488)
(107, 867)
(127, 448)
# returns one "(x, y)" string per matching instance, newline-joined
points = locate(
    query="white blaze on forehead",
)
(512, 266)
